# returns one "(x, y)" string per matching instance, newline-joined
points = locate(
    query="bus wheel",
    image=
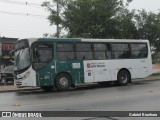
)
(63, 82)
(123, 77)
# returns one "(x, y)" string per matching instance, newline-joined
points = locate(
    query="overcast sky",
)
(23, 26)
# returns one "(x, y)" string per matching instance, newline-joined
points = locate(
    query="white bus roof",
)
(88, 40)
(113, 40)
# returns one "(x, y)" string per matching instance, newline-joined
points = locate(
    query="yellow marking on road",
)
(17, 105)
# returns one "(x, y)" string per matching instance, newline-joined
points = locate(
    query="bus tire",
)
(123, 77)
(63, 82)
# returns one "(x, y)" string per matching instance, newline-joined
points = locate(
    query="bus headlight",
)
(23, 77)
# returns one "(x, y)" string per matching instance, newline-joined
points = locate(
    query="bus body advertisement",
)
(64, 63)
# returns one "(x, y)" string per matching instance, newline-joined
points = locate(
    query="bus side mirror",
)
(11, 56)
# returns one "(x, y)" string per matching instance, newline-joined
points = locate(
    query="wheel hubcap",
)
(124, 78)
(63, 81)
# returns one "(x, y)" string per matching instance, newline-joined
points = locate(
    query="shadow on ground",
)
(79, 88)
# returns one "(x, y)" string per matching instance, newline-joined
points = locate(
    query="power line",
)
(23, 14)
(21, 3)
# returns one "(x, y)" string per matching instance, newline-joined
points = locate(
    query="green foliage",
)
(148, 27)
(91, 18)
(125, 26)
(54, 17)
(105, 19)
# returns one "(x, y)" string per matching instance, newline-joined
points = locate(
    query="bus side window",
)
(108, 51)
(139, 50)
(84, 51)
(84, 56)
(120, 51)
(42, 55)
(100, 51)
(65, 51)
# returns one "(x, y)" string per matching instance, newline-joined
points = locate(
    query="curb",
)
(18, 90)
(142, 80)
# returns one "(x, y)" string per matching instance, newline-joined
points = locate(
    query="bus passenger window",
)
(84, 56)
(100, 55)
(84, 51)
(66, 56)
(65, 51)
(101, 51)
(120, 51)
(108, 55)
(43, 56)
(139, 50)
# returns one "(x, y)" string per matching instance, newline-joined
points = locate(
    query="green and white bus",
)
(65, 63)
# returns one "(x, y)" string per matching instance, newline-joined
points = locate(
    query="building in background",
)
(6, 45)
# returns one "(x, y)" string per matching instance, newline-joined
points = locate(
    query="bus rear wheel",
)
(123, 77)
(63, 82)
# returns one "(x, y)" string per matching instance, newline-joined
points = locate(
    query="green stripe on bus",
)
(59, 39)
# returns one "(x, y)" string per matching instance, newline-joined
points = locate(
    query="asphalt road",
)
(139, 96)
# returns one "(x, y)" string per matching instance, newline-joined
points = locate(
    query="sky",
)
(23, 26)
(149, 5)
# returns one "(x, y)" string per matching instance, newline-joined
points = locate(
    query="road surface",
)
(139, 96)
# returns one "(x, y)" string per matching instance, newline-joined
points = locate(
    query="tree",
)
(128, 1)
(104, 19)
(125, 26)
(148, 27)
(47, 35)
(55, 8)
(86, 18)
(91, 18)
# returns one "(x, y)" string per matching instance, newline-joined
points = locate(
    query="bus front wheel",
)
(63, 82)
(123, 77)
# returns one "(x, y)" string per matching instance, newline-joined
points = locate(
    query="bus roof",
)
(86, 40)
(113, 40)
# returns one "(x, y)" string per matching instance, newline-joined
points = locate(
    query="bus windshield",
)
(22, 55)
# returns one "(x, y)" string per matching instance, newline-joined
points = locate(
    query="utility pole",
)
(58, 20)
